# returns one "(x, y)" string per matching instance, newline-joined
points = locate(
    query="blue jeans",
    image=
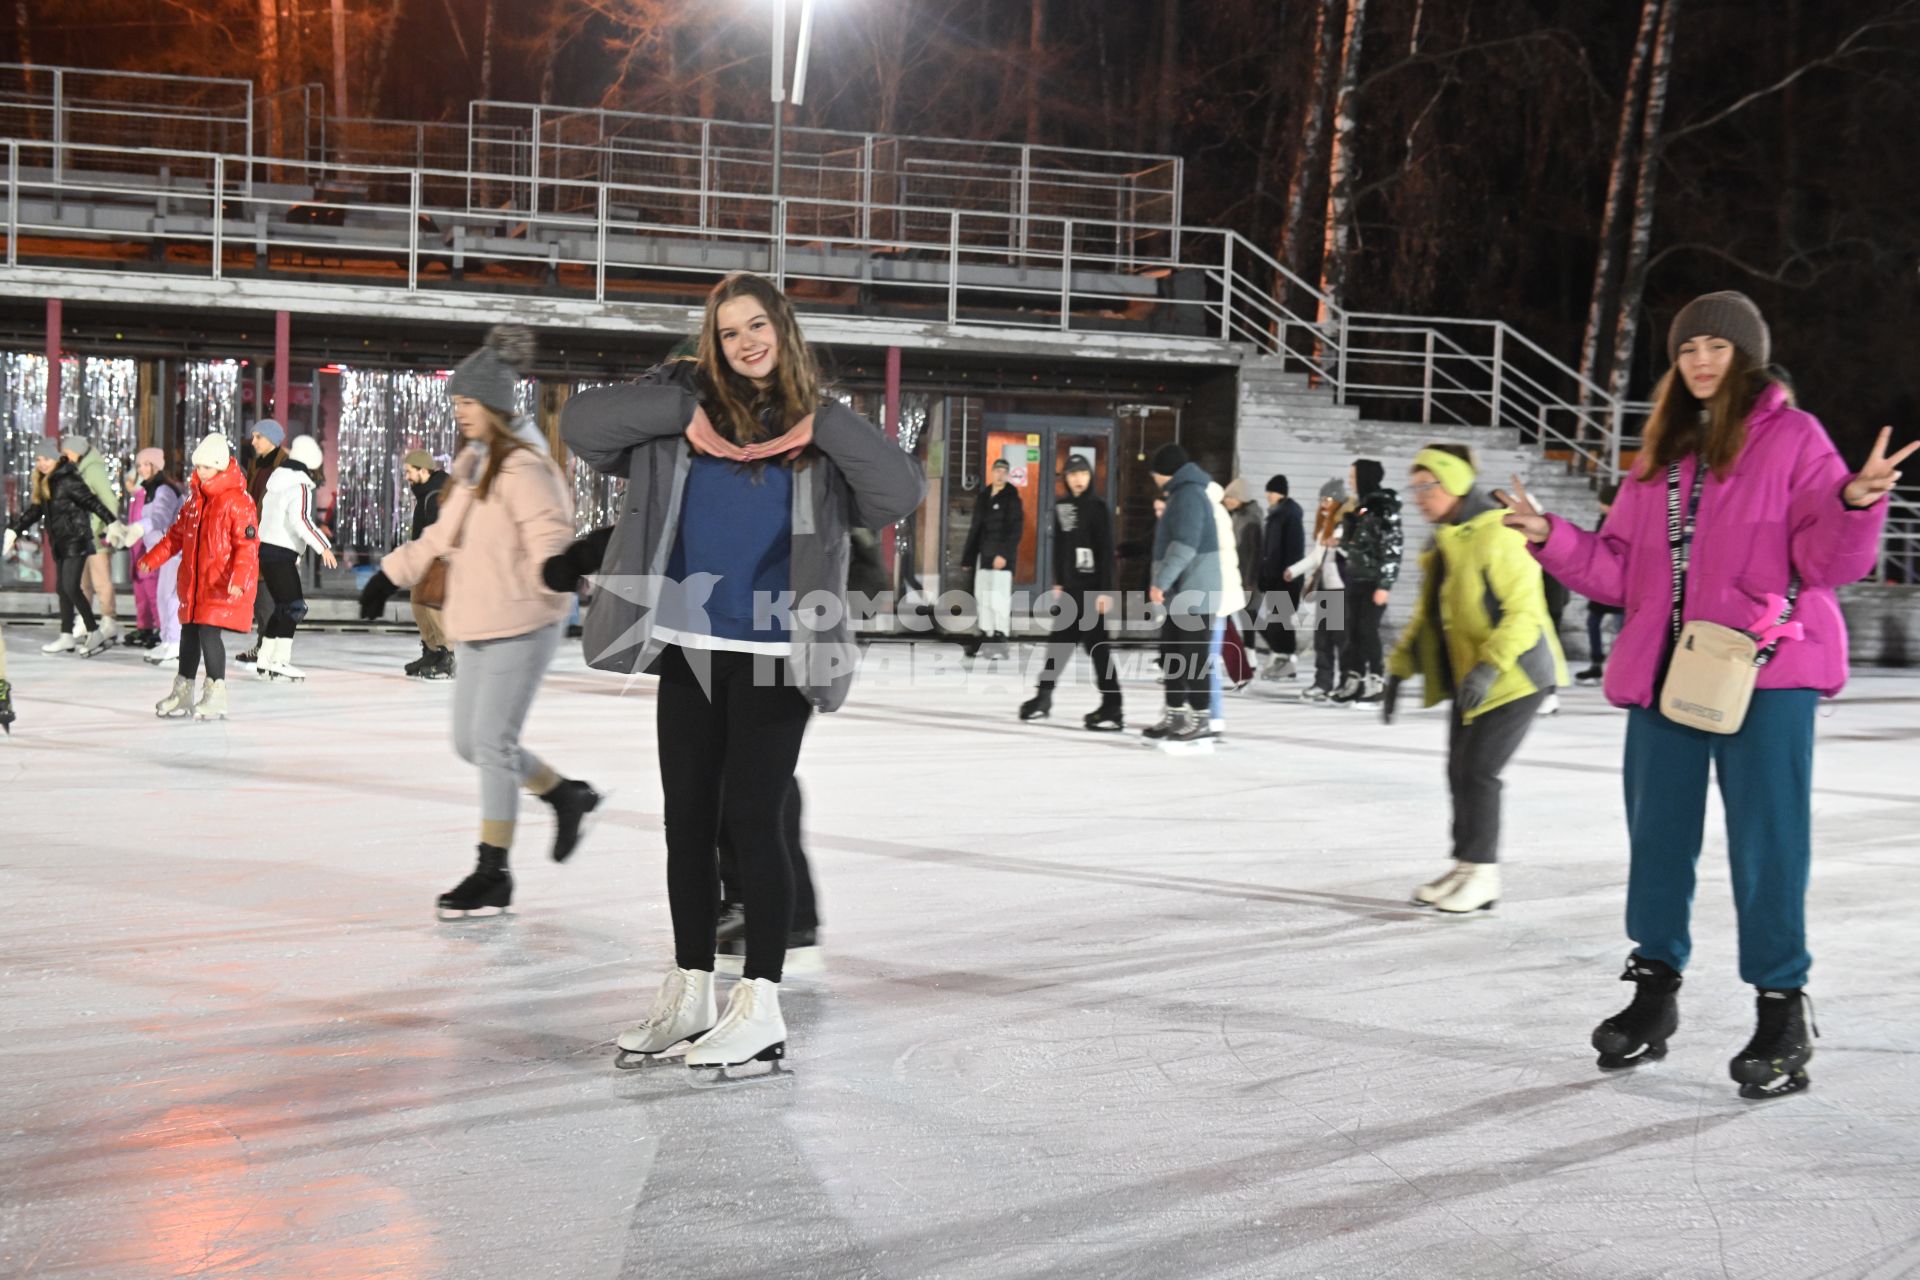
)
(1766, 784)
(1216, 694)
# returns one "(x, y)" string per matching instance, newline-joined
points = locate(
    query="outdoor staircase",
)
(1292, 428)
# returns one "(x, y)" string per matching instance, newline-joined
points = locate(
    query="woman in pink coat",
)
(1767, 514)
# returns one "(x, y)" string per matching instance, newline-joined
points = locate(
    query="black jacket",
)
(68, 511)
(1373, 540)
(1286, 545)
(998, 522)
(1082, 544)
(426, 501)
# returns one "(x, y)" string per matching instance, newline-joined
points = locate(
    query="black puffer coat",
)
(68, 511)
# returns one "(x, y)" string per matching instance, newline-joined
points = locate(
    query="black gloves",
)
(1389, 699)
(374, 596)
(582, 557)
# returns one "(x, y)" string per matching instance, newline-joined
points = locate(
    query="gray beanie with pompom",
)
(491, 374)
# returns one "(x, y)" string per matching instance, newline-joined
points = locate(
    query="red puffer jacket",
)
(217, 537)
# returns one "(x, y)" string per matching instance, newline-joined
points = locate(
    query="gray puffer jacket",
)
(854, 477)
(1186, 544)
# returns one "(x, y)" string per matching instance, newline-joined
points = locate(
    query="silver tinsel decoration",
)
(99, 399)
(384, 415)
(210, 401)
(596, 498)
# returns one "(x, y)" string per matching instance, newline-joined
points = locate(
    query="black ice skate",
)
(1106, 718)
(441, 668)
(1774, 1063)
(572, 801)
(1591, 676)
(1039, 706)
(418, 667)
(6, 708)
(487, 891)
(1639, 1032)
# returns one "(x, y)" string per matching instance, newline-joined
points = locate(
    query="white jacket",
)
(1233, 594)
(286, 512)
(1315, 561)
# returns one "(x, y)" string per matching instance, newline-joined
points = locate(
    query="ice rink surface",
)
(1090, 1010)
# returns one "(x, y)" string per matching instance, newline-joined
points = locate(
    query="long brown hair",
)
(500, 442)
(735, 404)
(1714, 428)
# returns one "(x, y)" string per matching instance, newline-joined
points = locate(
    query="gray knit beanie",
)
(77, 445)
(490, 374)
(46, 447)
(1726, 315)
(1333, 489)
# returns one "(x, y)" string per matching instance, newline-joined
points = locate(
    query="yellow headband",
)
(1454, 473)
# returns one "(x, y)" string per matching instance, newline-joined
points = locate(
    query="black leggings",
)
(1363, 655)
(197, 639)
(729, 739)
(72, 570)
(281, 577)
(806, 908)
(1279, 608)
(1185, 648)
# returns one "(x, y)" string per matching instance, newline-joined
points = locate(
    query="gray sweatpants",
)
(1476, 753)
(492, 692)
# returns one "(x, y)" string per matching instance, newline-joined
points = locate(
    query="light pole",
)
(779, 76)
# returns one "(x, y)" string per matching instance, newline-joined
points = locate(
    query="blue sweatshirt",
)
(736, 532)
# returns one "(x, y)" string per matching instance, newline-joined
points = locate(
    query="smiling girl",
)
(727, 579)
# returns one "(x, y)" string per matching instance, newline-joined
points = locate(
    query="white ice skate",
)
(1281, 667)
(213, 701)
(1550, 707)
(751, 1030)
(65, 644)
(683, 1009)
(1476, 889)
(1440, 886)
(177, 703)
(163, 654)
(276, 661)
(97, 641)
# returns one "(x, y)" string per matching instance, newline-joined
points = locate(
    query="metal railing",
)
(85, 107)
(1900, 545)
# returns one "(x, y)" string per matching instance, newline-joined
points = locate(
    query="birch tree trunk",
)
(1308, 162)
(340, 58)
(1635, 280)
(1339, 232)
(1036, 40)
(270, 72)
(1607, 259)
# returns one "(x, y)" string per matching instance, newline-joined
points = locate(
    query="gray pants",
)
(1476, 753)
(492, 693)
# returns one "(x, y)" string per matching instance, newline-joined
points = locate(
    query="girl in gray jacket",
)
(726, 577)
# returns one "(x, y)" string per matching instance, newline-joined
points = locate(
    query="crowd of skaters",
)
(742, 475)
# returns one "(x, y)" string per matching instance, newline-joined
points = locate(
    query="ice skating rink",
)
(1091, 1010)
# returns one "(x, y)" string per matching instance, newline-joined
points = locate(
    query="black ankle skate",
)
(572, 801)
(1107, 718)
(1639, 1032)
(487, 891)
(418, 667)
(1774, 1063)
(6, 708)
(1039, 706)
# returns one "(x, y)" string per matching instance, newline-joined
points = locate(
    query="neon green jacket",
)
(1482, 595)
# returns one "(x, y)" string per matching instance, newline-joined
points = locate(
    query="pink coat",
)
(1778, 509)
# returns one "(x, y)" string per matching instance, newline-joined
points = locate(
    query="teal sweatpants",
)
(1766, 783)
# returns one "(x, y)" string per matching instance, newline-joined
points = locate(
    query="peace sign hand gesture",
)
(1523, 515)
(1878, 476)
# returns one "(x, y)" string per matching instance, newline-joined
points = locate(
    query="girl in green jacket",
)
(1482, 637)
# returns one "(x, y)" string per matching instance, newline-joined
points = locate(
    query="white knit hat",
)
(305, 450)
(213, 452)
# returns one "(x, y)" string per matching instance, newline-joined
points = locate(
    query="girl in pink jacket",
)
(1765, 512)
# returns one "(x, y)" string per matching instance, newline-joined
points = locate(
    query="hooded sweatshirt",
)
(286, 516)
(1082, 544)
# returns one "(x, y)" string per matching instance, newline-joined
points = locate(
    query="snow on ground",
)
(1091, 1011)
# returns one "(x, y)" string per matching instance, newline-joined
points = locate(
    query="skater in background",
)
(216, 536)
(732, 448)
(1283, 545)
(1322, 571)
(264, 454)
(153, 503)
(69, 509)
(507, 510)
(7, 716)
(992, 550)
(1186, 578)
(427, 482)
(1373, 542)
(1249, 541)
(1482, 638)
(97, 581)
(1738, 512)
(1597, 613)
(1232, 599)
(287, 529)
(1085, 578)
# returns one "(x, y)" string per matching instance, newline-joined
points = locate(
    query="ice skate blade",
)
(634, 1060)
(1798, 1082)
(1628, 1061)
(1195, 747)
(470, 913)
(710, 1075)
(1470, 911)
